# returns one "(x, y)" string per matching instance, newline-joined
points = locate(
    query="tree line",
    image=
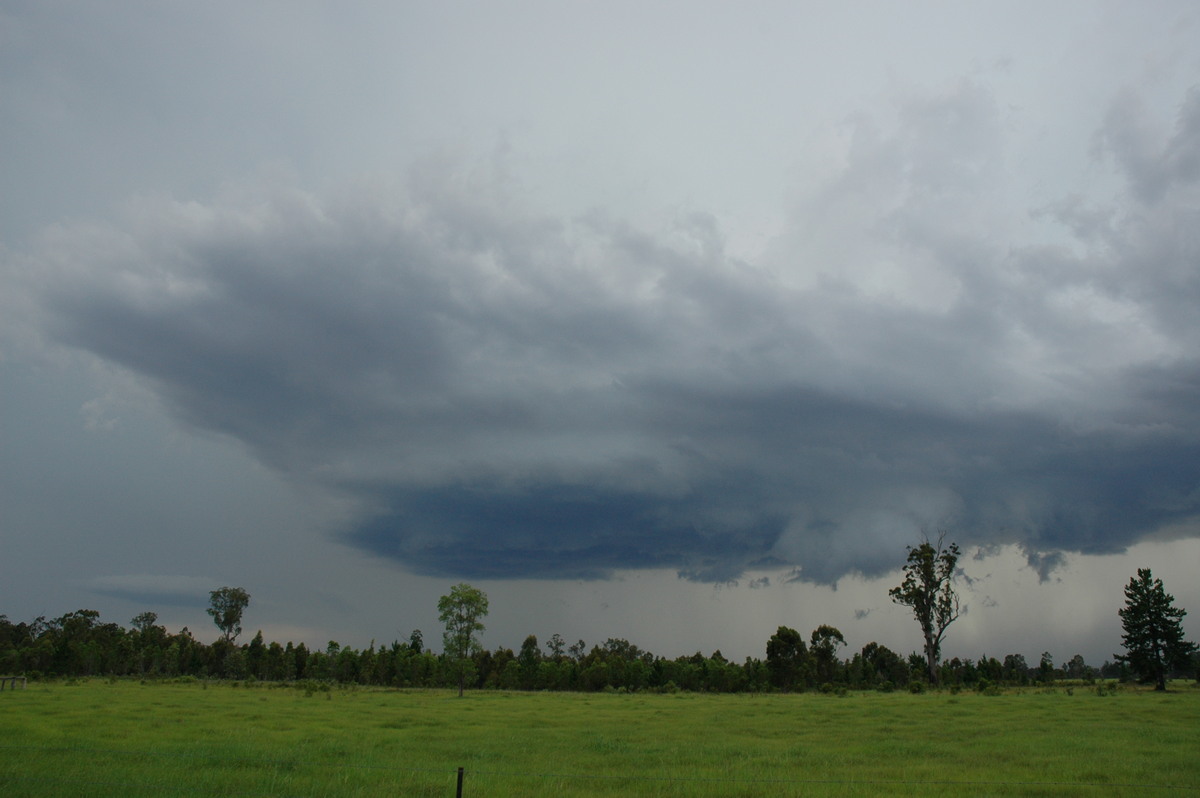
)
(80, 644)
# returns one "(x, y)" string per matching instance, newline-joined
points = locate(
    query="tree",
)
(788, 661)
(1046, 668)
(887, 665)
(226, 606)
(148, 639)
(256, 652)
(461, 610)
(1015, 669)
(528, 660)
(1076, 668)
(144, 622)
(1153, 636)
(928, 588)
(824, 645)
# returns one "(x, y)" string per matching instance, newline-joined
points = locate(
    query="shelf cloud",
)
(505, 392)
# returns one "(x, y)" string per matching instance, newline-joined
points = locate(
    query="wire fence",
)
(78, 771)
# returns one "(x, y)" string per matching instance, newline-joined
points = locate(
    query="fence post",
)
(458, 794)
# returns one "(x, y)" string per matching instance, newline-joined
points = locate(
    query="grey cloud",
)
(155, 589)
(1045, 563)
(1152, 166)
(510, 395)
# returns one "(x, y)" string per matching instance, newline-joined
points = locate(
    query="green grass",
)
(128, 739)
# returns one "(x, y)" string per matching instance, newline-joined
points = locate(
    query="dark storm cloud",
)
(508, 395)
(563, 532)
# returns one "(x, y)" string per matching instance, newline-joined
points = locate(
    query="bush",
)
(310, 686)
(887, 686)
(986, 687)
(915, 687)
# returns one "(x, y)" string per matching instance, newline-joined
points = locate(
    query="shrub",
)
(310, 686)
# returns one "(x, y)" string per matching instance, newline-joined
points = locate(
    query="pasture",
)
(125, 738)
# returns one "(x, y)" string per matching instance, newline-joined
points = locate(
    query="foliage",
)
(1046, 668)
(462, 611)
(824, 645)
(928, 589)
(1153, 636)
(79, 644)
(226, 606)
(788, 660)
(987, 687)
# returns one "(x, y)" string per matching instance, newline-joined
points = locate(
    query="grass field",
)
(103, 738)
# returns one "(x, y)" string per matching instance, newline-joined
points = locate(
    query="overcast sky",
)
(673, 321)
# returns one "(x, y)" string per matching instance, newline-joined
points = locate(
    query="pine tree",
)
(1153, 636)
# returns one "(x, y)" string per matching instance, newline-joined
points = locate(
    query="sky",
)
(674, 322)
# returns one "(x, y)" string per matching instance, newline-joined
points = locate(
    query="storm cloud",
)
(503, 392)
